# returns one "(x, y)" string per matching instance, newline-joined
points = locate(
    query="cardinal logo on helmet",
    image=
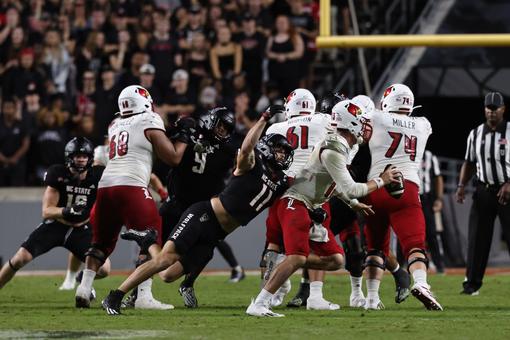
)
(353, 110)
(143, 92)
(387, 91)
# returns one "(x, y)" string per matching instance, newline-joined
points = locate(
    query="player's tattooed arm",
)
(49, 204)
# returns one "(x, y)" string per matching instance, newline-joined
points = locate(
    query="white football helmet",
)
(365, 102)
(134, 99)
(299, 102)
(397, 98)
(347, 115)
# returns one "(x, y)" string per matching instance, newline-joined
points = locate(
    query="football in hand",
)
(395, 189)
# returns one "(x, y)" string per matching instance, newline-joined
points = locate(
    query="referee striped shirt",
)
(490, 150)
(429, 170)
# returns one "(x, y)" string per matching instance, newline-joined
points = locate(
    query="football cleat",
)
(470, 291)
(301, 296)
(129, 302)
(92, 295)
(144, 239)
(82, 297)
(374, 304)
(321, 304)
(261, 311)
(280, 294)
(189, 297)
(402, 284)
(236, 275)
(111, 304)
(357, 301)
(151, 303)
(426, 297)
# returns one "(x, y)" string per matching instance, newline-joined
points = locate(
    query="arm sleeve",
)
(435, 166)
(336, 164)
(470, 149)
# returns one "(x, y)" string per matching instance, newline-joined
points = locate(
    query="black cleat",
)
(189, 297)
(111, 304)
(81, 302)
(236, 275)
(301, 297)
(144, 239)
(402, 285)
(129, 302)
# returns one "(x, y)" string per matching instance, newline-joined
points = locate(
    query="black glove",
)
(272, 110)
(318, 215)
(184, 128)
(76, 213)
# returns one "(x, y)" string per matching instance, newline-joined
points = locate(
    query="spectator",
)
(142, 42)
(31, 105)
(226, 59)
(197, 60)
(284, 51)
(11, 22)
(207, 100)
(120, 57)
(180, 100)
(132, 75)
(253, 44)
(11, 51)
(105, 103)
(17, 79)
(262, 16)
(85, 105)
(14, 144)
(163, 49)
(147, 72)
(195, 25)
(91, 56)
(50, 139)
(57, 61)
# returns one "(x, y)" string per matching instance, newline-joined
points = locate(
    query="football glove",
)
(272, 110)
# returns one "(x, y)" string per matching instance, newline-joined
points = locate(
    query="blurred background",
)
(63, 63)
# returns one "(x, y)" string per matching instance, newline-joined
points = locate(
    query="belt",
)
(489, 186)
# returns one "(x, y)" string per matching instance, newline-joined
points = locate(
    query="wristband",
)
(352, 202)
(379, 182)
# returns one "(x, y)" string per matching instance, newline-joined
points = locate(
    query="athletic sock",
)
(238, 268)
(420, 277)
(356, 283)
(70, 277)
(316, 289)
(373, 289)
(88, 279)
(264, 298)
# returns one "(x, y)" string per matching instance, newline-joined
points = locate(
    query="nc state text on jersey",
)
(78, 190)
(403, 123)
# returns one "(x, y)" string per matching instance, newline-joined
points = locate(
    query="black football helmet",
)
(326, 103)
(266, 148)
(79, 146)
(212, 118)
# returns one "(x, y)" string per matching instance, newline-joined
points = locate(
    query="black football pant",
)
(483, 213)
(434, 243)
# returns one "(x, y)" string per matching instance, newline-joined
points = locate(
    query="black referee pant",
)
(483, 213)
(433, 239)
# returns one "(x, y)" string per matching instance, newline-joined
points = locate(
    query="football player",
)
(397, 140)
(325, 174)
(123, 197)
(69, 195)
(205, 165)
(256, 182)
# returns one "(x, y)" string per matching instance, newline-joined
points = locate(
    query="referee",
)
(431, 196)
(487, 154)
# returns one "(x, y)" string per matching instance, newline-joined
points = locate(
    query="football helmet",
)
(212, 118)
(79, 146)
(134, 99)
(299, 102)
(365, 102)
(267, 146)
(397, 98)
(347, 115)
(326, 103)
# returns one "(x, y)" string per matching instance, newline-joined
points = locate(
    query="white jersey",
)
(130, 156)
(101, 154)
(303, 133)
(326, 174)
(399, 140)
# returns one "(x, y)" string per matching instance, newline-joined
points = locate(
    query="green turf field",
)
(33, 307)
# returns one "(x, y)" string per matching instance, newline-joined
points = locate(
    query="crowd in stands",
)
(63, 63)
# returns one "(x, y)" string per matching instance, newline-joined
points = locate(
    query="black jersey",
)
(247, 195)
(70, 189)
(201, 175)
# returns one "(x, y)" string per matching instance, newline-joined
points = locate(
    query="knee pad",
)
(373, 263)
(97, 254)
(418, 259)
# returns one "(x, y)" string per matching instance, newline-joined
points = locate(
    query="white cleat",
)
(280, 294)
(357, 301)
(373, 304)
(151, 303)
(423, 293)
(321, 304)
(82, 297)
(67, 285)
(261, 311)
